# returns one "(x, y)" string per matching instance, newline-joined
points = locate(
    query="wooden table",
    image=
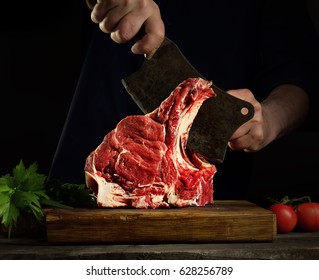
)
(295, 245)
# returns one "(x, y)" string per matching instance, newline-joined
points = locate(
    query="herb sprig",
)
(23, 191)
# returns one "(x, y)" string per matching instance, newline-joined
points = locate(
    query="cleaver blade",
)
(218, 117)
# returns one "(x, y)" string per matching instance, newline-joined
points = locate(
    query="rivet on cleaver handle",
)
(218, 117)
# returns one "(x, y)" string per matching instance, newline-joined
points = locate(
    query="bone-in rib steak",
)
(144, 162)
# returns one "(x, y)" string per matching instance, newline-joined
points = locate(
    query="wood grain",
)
(223, 221)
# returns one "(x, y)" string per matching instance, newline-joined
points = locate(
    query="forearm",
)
(284, 110)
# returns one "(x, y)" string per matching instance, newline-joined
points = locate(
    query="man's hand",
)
(285, 109)
(250, 136)
(123, 19)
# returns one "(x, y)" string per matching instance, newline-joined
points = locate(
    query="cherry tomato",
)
(286, 217)
(308, 216)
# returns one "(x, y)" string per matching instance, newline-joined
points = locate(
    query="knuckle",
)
(112, 2)
(103, 27)
(258, 136)
(95, 17)
(123, 35)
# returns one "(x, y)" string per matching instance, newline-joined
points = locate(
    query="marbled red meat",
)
(144, 161)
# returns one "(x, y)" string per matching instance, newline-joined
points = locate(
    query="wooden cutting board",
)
(223, 221)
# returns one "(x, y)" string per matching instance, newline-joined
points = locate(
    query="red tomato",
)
(286, 217)
(308, 216)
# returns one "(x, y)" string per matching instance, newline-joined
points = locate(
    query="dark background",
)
(40, 61)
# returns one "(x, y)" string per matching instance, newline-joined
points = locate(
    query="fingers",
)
(251, 141)
(100, 10)
(250, 136)
(154, 36)
(123, 19)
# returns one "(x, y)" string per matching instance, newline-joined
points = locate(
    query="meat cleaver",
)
(218, 117)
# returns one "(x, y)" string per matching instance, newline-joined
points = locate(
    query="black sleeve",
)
(289, 48)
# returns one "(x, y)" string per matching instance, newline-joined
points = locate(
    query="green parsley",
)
(23, 191)
(75, 195)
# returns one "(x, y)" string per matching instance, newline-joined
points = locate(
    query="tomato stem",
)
(292, 201)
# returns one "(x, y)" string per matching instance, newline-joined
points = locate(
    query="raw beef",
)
(144, 162)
